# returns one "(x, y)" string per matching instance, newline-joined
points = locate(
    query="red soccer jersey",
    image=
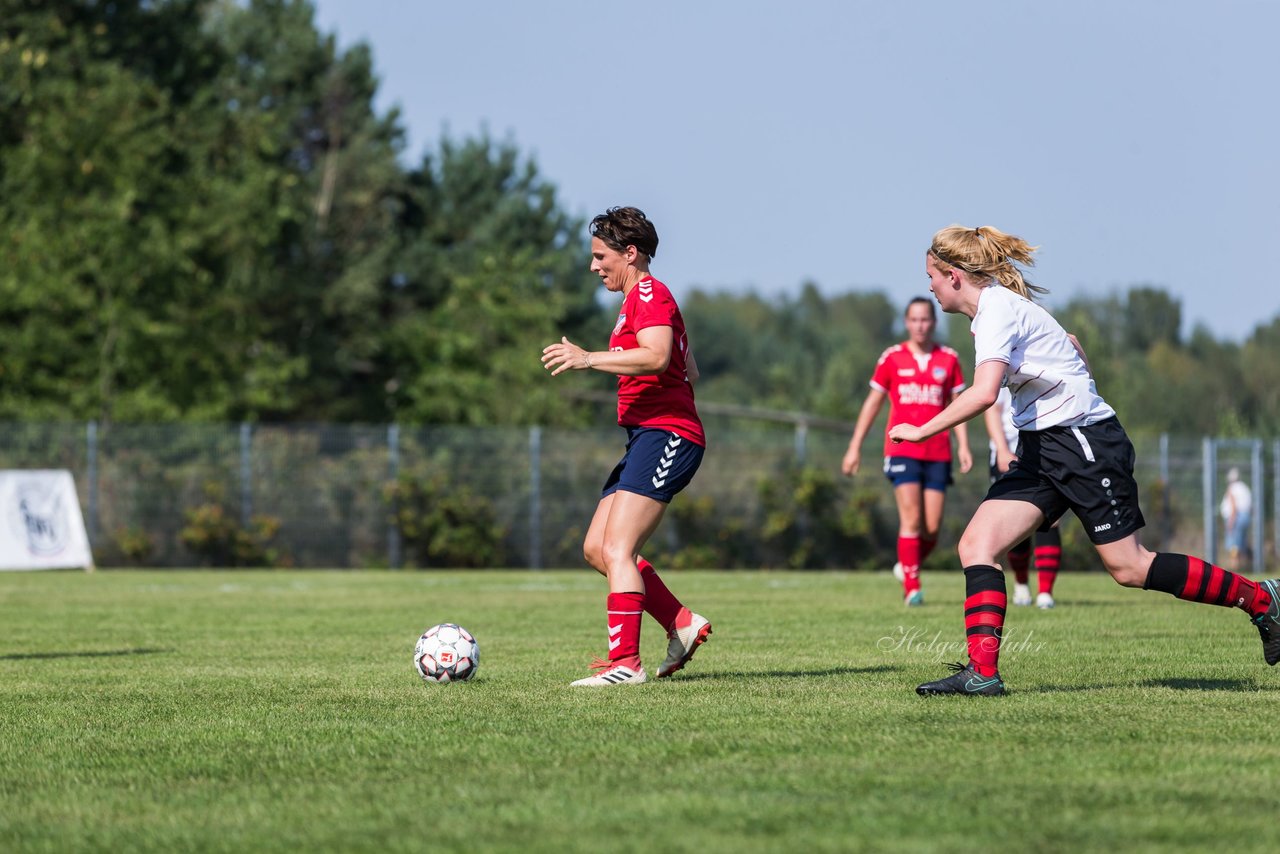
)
(664, 401)
(918, 389)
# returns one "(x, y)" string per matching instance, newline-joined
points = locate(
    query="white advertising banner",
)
(41, 526)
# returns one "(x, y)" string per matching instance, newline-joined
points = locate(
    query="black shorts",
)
(1085, 469)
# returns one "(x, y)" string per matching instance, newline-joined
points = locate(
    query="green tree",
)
(491, 271)
(1151, 317)
(811, 354)
(135, 217)
(320, 273)
(204, 217)
(1260, 377)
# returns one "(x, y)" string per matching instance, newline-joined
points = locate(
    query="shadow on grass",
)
(1068, 689)
(1176, 684)
(35, 656)
(774, 674)
(1203, 684)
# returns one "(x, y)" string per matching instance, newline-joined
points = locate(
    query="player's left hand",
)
(905, 433)
(966, 460)
(564, 356)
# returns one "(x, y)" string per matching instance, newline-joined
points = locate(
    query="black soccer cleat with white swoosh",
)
(966, 681)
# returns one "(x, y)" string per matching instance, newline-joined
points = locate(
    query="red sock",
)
(909, 557)
(1019, 560)
(659, 602)
(624, 611)
(926, 547)
(1196, 580)
(985, 601)
(1048, 558)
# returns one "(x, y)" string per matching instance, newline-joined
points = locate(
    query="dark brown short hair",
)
(932, 311)
(625, 226)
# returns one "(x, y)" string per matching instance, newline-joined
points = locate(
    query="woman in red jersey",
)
(920, 377)
(649, 353)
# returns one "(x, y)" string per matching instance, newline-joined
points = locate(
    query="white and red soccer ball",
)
(446, 653)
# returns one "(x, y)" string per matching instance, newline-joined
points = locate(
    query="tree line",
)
(203, 217)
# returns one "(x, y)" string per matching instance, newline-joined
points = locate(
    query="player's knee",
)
(593, 552)
(974, 550)
(1128, 572)
(1127, 576)
(614, 554)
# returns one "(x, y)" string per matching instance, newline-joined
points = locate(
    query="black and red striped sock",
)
(1196, 580)
(985, 600)
(1048, 559)
(659, 602)
(1019, 560)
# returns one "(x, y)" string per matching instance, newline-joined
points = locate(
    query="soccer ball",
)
(446, 653)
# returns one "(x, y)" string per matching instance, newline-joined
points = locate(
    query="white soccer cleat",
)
(1021, 594)
(915, 598)
(898, 573)
(624, 671)
(1044, 601)
(689, 632)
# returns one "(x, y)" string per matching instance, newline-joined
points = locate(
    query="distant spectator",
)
(1236, 510)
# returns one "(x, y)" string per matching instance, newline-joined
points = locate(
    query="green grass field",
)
(279, 711)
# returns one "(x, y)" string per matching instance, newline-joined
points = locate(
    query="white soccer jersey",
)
(1050, 384)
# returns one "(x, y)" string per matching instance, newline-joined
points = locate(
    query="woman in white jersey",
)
(1072, 455)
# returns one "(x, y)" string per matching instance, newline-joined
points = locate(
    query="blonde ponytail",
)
(986, 253)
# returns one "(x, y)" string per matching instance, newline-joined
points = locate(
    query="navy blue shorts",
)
(929, 474)
(657, 464)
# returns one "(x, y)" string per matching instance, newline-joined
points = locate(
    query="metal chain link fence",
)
(351, 496)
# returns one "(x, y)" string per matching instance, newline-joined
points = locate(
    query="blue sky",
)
(1135, 141)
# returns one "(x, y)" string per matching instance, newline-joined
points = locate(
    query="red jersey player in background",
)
(920, 377)
(649, 352)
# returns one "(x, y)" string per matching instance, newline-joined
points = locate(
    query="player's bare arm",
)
(971, 402)
(1075, 342)
(964, 455)
(651, 356)
(1004, 454)
(870, 409)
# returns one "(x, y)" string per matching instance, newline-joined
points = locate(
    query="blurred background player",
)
(1073, 455)
(1004, 450)
(649, 352)
(920, 377)
(1236, 510)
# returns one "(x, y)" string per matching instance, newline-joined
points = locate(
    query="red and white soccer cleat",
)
(687, 634)
(624, 671)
